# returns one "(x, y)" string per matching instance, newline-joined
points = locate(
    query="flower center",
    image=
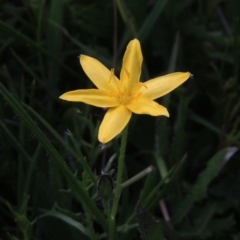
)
(125, 95)
(124, 98)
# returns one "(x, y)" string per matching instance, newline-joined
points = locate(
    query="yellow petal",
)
(146, 106)
(114, 121)
(160, 86)
(98, 73)
(95, 97)
(132, 63)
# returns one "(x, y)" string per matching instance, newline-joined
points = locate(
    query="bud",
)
(105, 186)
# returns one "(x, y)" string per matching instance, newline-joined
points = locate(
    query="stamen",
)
(111, 75)
(128, 74)
(137, 96)
(142, 84)
(137, 87)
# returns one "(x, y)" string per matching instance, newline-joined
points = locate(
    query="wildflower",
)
(126, 95)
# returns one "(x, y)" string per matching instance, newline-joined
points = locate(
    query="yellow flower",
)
(125, 96)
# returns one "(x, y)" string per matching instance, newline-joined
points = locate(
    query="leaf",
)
(24, 224)
(79, 192)
(199, 190)
(164, 184)
(54, 41)
(69, 221)
(8, 30)
(180, 137)
(11, 237)
(151, 19)
(149, 228)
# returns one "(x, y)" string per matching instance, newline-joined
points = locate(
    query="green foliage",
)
(181, 175)
(149, 227)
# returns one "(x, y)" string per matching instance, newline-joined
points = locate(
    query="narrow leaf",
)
(199, 190)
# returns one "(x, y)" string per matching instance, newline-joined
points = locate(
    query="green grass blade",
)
(199, 189)
(169, 178)
(31, 169)
(15, 142)
(54, 43)
(205, 123)
(151, 19)
(77, 189)
(67, 220)
(77, 154)
(27, 68)
(6, 29)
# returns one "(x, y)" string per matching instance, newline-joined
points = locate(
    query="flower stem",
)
(118, 188)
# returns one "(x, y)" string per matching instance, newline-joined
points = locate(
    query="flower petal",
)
(160, 86)
(132, 63)
(98, 73)
(95, 97)
(113, 123)
(145, 105)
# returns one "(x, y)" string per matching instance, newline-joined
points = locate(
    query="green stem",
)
(118, 188)
(138, 176)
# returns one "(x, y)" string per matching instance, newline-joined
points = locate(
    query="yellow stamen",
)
(142, 84)
(128, 74)
(137, 96)
(111, 75)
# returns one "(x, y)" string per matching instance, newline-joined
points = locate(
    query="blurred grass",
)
(50, 158)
